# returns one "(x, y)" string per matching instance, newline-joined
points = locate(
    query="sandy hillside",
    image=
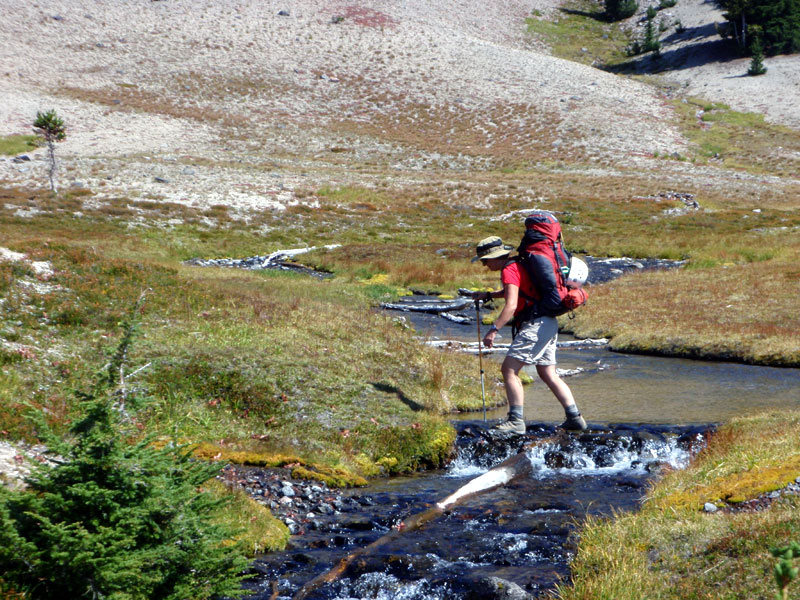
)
(242, 103)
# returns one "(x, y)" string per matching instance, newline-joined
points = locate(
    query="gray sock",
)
(572, 411)
(515, 413)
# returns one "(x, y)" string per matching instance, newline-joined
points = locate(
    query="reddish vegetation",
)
(368, 17)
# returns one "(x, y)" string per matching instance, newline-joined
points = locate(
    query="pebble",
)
(710, 508)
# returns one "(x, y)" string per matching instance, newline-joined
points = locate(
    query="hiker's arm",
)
(511, 293)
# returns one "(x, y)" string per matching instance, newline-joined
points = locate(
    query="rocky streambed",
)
(518, 537)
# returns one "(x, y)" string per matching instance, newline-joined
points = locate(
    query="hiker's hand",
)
(488, 339)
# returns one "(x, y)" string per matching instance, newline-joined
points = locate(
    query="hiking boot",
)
(512, 425)
(574, 424)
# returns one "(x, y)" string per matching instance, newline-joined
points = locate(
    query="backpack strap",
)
(563, 258)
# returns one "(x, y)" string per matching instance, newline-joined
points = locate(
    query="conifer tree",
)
(114, 519)
(51, 126)
(757, 62)
(651, 42)
(616, 10)
(778, 22)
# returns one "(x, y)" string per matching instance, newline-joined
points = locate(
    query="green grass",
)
(581, 33)
(262, 531)
(672, 550)
(739, 140)
(11, 145)
(269, 362)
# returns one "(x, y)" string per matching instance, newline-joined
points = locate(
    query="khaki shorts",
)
(535, 343)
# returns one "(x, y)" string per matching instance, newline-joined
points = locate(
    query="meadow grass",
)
(671, 549)
(11, 145)
(580, 32)
(267, 362)
(260, 531)
(739, 140)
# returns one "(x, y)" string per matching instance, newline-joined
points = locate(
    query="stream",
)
(519, 536)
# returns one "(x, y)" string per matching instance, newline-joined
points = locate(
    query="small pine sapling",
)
(651, 42)
(757, 61)
(51, 126)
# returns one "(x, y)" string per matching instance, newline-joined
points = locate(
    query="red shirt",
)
(515, 274)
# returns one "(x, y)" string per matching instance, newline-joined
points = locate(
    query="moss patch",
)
(259, 530)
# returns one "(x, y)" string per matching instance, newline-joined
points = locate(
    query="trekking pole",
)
(480, 355)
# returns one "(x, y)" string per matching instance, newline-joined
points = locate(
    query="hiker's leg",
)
(574, 422)
(514, 391)
(528, 347)
(557, 385)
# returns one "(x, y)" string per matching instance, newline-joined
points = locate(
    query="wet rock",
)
(655, 468)
(603, 457)
(693, 441)
(555, 460)
(641, 439)
(292, 525)
(357, 523)
(325, 509)
(428, 306)
(496, 588)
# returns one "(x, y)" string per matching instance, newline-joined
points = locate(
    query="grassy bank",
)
(672, 549)
(280, 367)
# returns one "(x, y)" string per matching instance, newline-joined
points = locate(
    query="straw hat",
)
(491, 247)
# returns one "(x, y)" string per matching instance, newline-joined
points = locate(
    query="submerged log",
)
(516, 466)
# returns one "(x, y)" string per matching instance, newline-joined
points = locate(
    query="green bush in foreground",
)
(110, 519)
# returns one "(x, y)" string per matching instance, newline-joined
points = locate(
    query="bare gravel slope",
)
(146, 86)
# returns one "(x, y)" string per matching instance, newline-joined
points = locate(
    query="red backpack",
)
(544, 258)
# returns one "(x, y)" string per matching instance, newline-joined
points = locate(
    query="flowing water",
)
(521, 532)
(644, 413)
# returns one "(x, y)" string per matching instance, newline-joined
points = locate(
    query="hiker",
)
(534, 342)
